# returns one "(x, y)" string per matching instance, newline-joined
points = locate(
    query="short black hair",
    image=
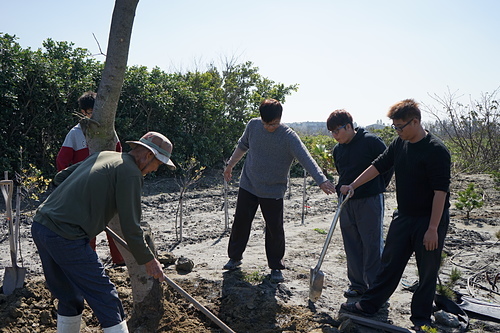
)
(87, 100)
(270, 109)
(338, 118)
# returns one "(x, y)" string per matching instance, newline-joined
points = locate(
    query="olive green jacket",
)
(90, 193)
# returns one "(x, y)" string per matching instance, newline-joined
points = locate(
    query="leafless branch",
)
(99, 46)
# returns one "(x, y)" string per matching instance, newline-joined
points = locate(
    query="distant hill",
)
(319, 127)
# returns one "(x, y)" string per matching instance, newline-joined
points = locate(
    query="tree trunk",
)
(146, 291)
(100, 134)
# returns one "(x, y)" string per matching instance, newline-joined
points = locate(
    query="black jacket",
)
(352, 158)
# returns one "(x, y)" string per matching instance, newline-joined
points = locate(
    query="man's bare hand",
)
(431, 240)
(154, 269)
(327, 187)
(347, 190)
(228, 173)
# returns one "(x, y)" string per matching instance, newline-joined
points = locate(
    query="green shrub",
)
(254, 277)
(469, 199)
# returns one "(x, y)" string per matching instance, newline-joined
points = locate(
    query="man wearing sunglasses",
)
(422, 168)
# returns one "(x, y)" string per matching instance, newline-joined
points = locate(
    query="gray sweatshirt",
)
(269, 157)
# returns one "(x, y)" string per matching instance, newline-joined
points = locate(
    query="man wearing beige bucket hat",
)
(87, 196)
(158, 144)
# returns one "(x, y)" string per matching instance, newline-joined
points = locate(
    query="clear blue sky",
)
(359, 55)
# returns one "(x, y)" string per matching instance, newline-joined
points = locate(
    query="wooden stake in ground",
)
(191, 174)
(304, 197)
(226, 213)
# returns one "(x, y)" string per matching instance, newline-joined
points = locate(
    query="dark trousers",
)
(405, 237)
(272, 210)
(116, 256)
(74, 273)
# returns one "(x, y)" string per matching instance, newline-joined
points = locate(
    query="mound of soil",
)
(246, 299)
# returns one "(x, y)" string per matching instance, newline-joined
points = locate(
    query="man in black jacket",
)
(361, 220)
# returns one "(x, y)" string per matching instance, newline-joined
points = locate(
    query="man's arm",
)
(305, 159)
(235, 158)
(431, 235)
(63, 174)
(367, 175)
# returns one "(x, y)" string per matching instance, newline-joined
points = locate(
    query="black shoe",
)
(351, 307)
(276, 275)
(232, 264)
(352, 293)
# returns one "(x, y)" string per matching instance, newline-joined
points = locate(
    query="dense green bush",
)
(38, 93)
(202, 112)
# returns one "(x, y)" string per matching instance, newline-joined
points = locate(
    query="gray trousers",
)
(361, 223)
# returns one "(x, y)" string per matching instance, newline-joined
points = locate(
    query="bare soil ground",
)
(245, 299)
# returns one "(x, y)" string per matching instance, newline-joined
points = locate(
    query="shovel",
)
(14, 276)
(20, 271)
(174, 285)
(317, 277)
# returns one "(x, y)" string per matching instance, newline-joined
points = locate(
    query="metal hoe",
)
(181, 291)
(317, 277)
(14, 276)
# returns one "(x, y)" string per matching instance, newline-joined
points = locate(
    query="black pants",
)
(272, 210)
(405, 237)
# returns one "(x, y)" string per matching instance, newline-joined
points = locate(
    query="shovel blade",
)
(13, 278)
(316, 282)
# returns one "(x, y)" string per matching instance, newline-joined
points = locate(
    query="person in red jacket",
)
(75, 149)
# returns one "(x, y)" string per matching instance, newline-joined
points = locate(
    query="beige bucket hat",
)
(158, 144)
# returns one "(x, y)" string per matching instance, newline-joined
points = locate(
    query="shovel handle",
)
(7, 190)
(342, 201)
(174, 285)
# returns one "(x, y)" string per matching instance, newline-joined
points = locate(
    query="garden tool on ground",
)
(174, 285)
(14, 276)
(317, 277)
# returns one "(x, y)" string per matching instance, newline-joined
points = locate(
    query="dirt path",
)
(245, 299)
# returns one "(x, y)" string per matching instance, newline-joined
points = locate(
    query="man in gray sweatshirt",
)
(271, 148)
